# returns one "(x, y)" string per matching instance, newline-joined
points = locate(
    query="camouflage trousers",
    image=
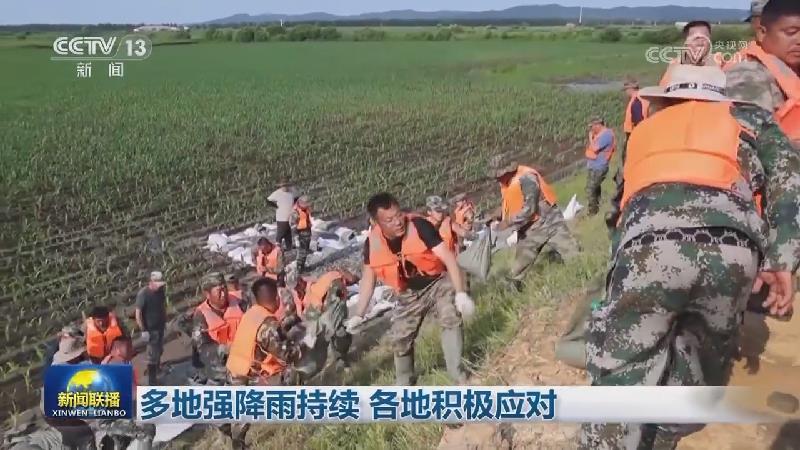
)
(594, 185)
(409, 313)
(671, 317)
(328, 331)
(556, 235)
(304, 238)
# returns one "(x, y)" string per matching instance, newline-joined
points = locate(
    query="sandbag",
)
(476, 259)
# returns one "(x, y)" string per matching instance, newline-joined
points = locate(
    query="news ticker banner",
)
(107, 392)
(370, 404)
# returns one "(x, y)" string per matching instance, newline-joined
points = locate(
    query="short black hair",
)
(695, 23)
(383, 200)
(121, 340)
(263, 240)
(775, 9)
(261, 282)
(99, 312)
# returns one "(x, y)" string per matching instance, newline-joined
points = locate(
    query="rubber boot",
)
(152, 374)
(453, 346)
(404, 370)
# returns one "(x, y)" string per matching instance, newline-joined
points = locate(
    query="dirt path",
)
(530, 360)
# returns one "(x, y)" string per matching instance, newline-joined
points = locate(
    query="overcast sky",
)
(184, 11)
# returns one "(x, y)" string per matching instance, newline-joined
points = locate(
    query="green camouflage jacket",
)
(769, 163)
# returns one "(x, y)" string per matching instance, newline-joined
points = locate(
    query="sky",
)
(189, 11)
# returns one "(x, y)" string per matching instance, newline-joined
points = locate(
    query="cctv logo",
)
(84, 46)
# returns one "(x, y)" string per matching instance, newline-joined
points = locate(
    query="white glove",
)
(145, 336)
(512, 240)
(352, 323)
(465, 305)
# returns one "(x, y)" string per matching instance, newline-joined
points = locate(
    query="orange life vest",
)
(236, 295)
(390, 267)
(267, 264)
(447, 234)
(788, 115)
(98, 343)
(303, 218)
(628, 124)
(241, 359)
(592, 150)
(461, 212)
(675, 146)
(222, 329)
(317, 291)
(514, 199)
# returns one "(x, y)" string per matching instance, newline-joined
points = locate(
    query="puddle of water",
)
(594, 86)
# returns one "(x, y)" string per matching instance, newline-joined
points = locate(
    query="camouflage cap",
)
(501, 164)
(756, 8)
(211, 280)
(303, 200)
(231, 277)
(70, 330)
(436, 203)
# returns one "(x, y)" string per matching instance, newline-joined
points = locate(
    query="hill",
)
(534, 13)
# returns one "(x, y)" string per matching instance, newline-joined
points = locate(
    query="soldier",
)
(697, 41)
(324, 314)
(439, 217)
(599, 151)
(463, 219)
(407, 254)
(301, 226)
(529, 206)
(214, 325)
(151, 318)
(768, 76)
(260, 350)
(693, 239)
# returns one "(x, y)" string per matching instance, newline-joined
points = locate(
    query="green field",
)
(191, 140)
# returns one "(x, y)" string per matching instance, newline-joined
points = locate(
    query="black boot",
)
(152, 374)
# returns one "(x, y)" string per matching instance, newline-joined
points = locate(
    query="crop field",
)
(104, 179)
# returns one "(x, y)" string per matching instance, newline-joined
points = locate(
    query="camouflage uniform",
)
(751, 81)
(328, 328)
(304, 238)
(549, 229)
(410, 311)
(212, 355)
(594, 188)
(685, 258)
(270, 339)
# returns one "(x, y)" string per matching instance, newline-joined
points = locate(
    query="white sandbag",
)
(572, 208)
(250, 232)
(166, 432)
(217, 241)
(243, 255)
(330, 243)
(345, 234)
(320, 225)
(476, 259)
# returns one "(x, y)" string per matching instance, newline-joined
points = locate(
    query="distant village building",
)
(571, 25)
(680, 25)
(151, 28)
